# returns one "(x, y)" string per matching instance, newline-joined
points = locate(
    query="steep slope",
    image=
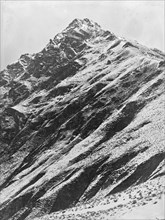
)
(82, 120)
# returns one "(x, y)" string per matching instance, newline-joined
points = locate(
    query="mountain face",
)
(82, 128)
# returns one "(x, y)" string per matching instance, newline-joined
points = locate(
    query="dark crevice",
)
(141, 174)
(14, 206)
(107, 171)
(71, 192)
(158, 175)
(123, 119)
(34, 180)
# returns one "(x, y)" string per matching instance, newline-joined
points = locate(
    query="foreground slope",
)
(82, 127)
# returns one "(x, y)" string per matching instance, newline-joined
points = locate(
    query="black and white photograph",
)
(82, 110)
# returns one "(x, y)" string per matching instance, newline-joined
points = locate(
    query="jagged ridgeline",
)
(80, 121)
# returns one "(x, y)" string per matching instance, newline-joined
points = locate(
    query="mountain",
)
(82, 128)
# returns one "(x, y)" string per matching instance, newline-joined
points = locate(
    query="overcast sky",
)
(27, 26)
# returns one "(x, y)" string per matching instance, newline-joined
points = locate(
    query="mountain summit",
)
(84, 24)
(82, 129)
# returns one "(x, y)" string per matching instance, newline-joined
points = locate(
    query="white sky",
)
(27, 26)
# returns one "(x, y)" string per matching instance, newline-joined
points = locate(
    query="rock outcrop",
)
(82, 122)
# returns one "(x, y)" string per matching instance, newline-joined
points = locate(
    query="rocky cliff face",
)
(82, 127)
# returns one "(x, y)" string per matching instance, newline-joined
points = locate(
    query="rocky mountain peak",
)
(82, 128)
(83, 22)
(80, 29)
